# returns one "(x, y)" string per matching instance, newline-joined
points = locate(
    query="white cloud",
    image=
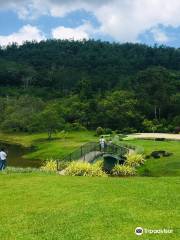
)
(27, 32)
(69, 33)
(82, 32)
(124, 20)
(159, 35)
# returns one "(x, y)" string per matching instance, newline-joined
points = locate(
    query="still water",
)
(15, 156)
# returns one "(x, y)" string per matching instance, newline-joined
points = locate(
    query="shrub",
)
(129, 130)
(74, 127)
(99, 131)
(84, 169)
(107, 131)
(176, 121)
(177, 130)
(134, 159)
(116, 139)
(170, 128)
(122, 136)
(118, 132)
(78, 127)
(49, 166)
(123, 170)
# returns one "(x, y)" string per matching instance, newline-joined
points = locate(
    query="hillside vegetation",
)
(55, 85)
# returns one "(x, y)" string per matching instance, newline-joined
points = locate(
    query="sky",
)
(138, 21)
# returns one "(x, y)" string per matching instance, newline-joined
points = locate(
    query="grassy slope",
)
(165, 166)
(63, 143)
(37, 206)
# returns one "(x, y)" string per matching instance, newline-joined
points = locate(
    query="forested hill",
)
(141, 82)
(63, 64)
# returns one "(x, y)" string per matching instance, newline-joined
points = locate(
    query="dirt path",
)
(155, 135)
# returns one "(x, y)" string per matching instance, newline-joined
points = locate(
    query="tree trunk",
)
(49, 134)
(155, 112)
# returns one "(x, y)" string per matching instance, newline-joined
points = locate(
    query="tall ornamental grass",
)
(84, 169)
(134, 160)
(123, 170)
(49, 166)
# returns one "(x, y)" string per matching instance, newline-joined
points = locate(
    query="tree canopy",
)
(89, 84)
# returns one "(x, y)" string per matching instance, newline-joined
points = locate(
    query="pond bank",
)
(61, 145)
(16, 154)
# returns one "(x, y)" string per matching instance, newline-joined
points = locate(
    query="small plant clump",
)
(134, 159)
(49, 166)
(123, 170)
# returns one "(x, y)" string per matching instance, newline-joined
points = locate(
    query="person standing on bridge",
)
(102, 143)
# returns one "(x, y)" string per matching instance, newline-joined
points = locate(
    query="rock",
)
(158, 154)
(62, 172)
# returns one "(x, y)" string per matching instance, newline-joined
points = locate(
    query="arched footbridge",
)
(89, 152)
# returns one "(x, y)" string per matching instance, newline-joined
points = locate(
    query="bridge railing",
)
(82, 151)
(116, 149)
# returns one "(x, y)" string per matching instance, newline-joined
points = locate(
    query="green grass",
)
(37, 206)
(60, 146)
(165, 166)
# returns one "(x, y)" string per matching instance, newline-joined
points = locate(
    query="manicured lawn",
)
(61, 145)
(165, 166)
(35, 206)
(41, 206)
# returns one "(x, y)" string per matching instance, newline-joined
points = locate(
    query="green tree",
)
(118, 111)
(50, 121)
(154, 86)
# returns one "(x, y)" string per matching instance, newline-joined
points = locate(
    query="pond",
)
(15, 156)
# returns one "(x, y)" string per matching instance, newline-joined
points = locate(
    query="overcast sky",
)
(143, 21)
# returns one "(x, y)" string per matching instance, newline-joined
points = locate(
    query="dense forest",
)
(56, 84)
